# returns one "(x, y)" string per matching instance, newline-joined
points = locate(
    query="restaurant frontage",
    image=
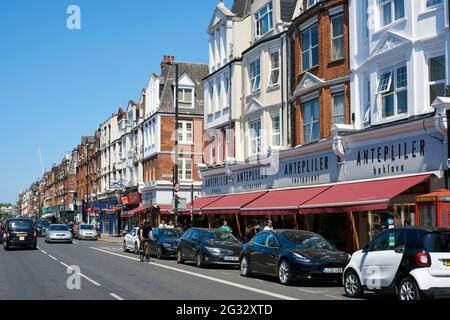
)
(348, 189)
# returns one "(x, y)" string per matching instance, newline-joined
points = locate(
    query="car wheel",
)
(408, 290)
(245, 267)
(199, 260)
(5, 245)
(285, 273)
(136, 248)
(124, 247)
(159, 253)
(352, 285)
(180, 259)
(34, 247)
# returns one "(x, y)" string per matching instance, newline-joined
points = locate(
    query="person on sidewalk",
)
(163, 225)
(170, 225)
(269, 225)
(225, 227)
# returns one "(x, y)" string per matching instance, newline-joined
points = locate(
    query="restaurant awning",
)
(360, 196)
(198, 204)
(232, 204)
(133, 212)
(165, 210)
(281, 202)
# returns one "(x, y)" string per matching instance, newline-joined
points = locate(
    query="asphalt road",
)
(107, 273)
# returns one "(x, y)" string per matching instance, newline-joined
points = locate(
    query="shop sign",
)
(398, 156)
(216, 185)
(149, 197)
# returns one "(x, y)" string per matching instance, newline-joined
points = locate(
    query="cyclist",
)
(145, 236)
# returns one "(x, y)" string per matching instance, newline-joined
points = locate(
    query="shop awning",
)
(199, 204)
(232, 204)
(133, 212)
(112, 209)
(360, 196)
(281, 202)
(165, 210)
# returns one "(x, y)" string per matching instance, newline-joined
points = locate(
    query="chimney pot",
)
(165, 59)
(173, 59)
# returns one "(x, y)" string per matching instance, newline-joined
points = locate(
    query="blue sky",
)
(58, 84)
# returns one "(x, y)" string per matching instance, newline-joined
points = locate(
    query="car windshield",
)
(437, 242)
(46, 224)
(86, 227)
(21, 224)
(58, 228)
(304, 240)
(39, 223)
(219, 236)
(171, 233)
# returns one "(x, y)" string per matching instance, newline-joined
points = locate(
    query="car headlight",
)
(213, 250)
(167, 245)
(301, 258)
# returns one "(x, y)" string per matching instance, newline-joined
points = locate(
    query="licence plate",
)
(21, 235)
(447, 263)
(21, 238)
(231, 258)
(333, 270)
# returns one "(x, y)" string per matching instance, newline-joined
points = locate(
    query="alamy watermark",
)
(74, 280)
(74, 19)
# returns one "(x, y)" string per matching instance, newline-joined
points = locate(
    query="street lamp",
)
(175, 174)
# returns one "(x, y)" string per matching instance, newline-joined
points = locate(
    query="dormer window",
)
(185, 98)
(264, 20)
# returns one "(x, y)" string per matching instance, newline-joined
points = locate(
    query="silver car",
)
(86, 232)
(58, 233)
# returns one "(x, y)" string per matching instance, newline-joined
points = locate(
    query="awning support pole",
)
(306, 222)
(355, 232)
(239, 226)
(295, 221)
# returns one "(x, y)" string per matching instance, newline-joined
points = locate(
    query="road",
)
(107, 273)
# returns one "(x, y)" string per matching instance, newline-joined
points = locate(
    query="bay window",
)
(436, 77)
(255, 75)
(274, 68)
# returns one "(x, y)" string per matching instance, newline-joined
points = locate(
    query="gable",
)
(254, 105)
(186, 81)
(308, 83)
(218, 15)
(389, 42)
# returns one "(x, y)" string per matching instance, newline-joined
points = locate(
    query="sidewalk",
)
(110, 239)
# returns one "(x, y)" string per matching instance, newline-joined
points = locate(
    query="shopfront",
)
(348, 189)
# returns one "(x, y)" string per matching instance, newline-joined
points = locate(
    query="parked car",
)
(209, 246)
(165, 242)
(42, 226)
(2, 223)
(293, 255)
(58, 233)
(131, 241)
(86, 232)
(412, 263)
(20, 233)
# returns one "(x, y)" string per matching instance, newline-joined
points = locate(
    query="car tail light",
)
(423, 259)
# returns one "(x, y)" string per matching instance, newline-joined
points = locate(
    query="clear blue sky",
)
(58, 84)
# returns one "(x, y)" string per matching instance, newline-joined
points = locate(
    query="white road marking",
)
(308, 291)
(43, 252)
(115, 296)
(83, 276)
(334, 297)
(229, 283)
(50, 256)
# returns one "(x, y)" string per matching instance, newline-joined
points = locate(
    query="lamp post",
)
(175, 175)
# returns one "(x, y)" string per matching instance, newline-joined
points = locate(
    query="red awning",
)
(280, 202)
(360, 196)
(199, 204)
(165, 210)
(133, 212)
(232, 204)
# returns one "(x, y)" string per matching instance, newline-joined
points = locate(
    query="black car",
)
(165, 242)
(1, 231)
(293, 255)
(209, 246)
(41, 225)
(20, 233)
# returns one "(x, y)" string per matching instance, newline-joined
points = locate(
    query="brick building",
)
(159, 132)
(320, 70)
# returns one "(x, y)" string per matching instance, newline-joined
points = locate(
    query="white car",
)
(58, 233)
(131, 241)
(411, 263)
(86, 232)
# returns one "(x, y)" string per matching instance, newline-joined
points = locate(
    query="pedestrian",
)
(163, 225)
(269, 226)
(170, 225)
(225, 227)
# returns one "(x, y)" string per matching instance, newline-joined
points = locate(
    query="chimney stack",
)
(173, 59)
(165, 59)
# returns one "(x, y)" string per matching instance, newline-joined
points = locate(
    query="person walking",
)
(170, 225)
(225, 227)
(163, 225)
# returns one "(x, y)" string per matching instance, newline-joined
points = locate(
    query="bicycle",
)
(142, 249)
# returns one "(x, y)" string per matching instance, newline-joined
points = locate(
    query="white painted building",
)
(108, 137)
(399, 58)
